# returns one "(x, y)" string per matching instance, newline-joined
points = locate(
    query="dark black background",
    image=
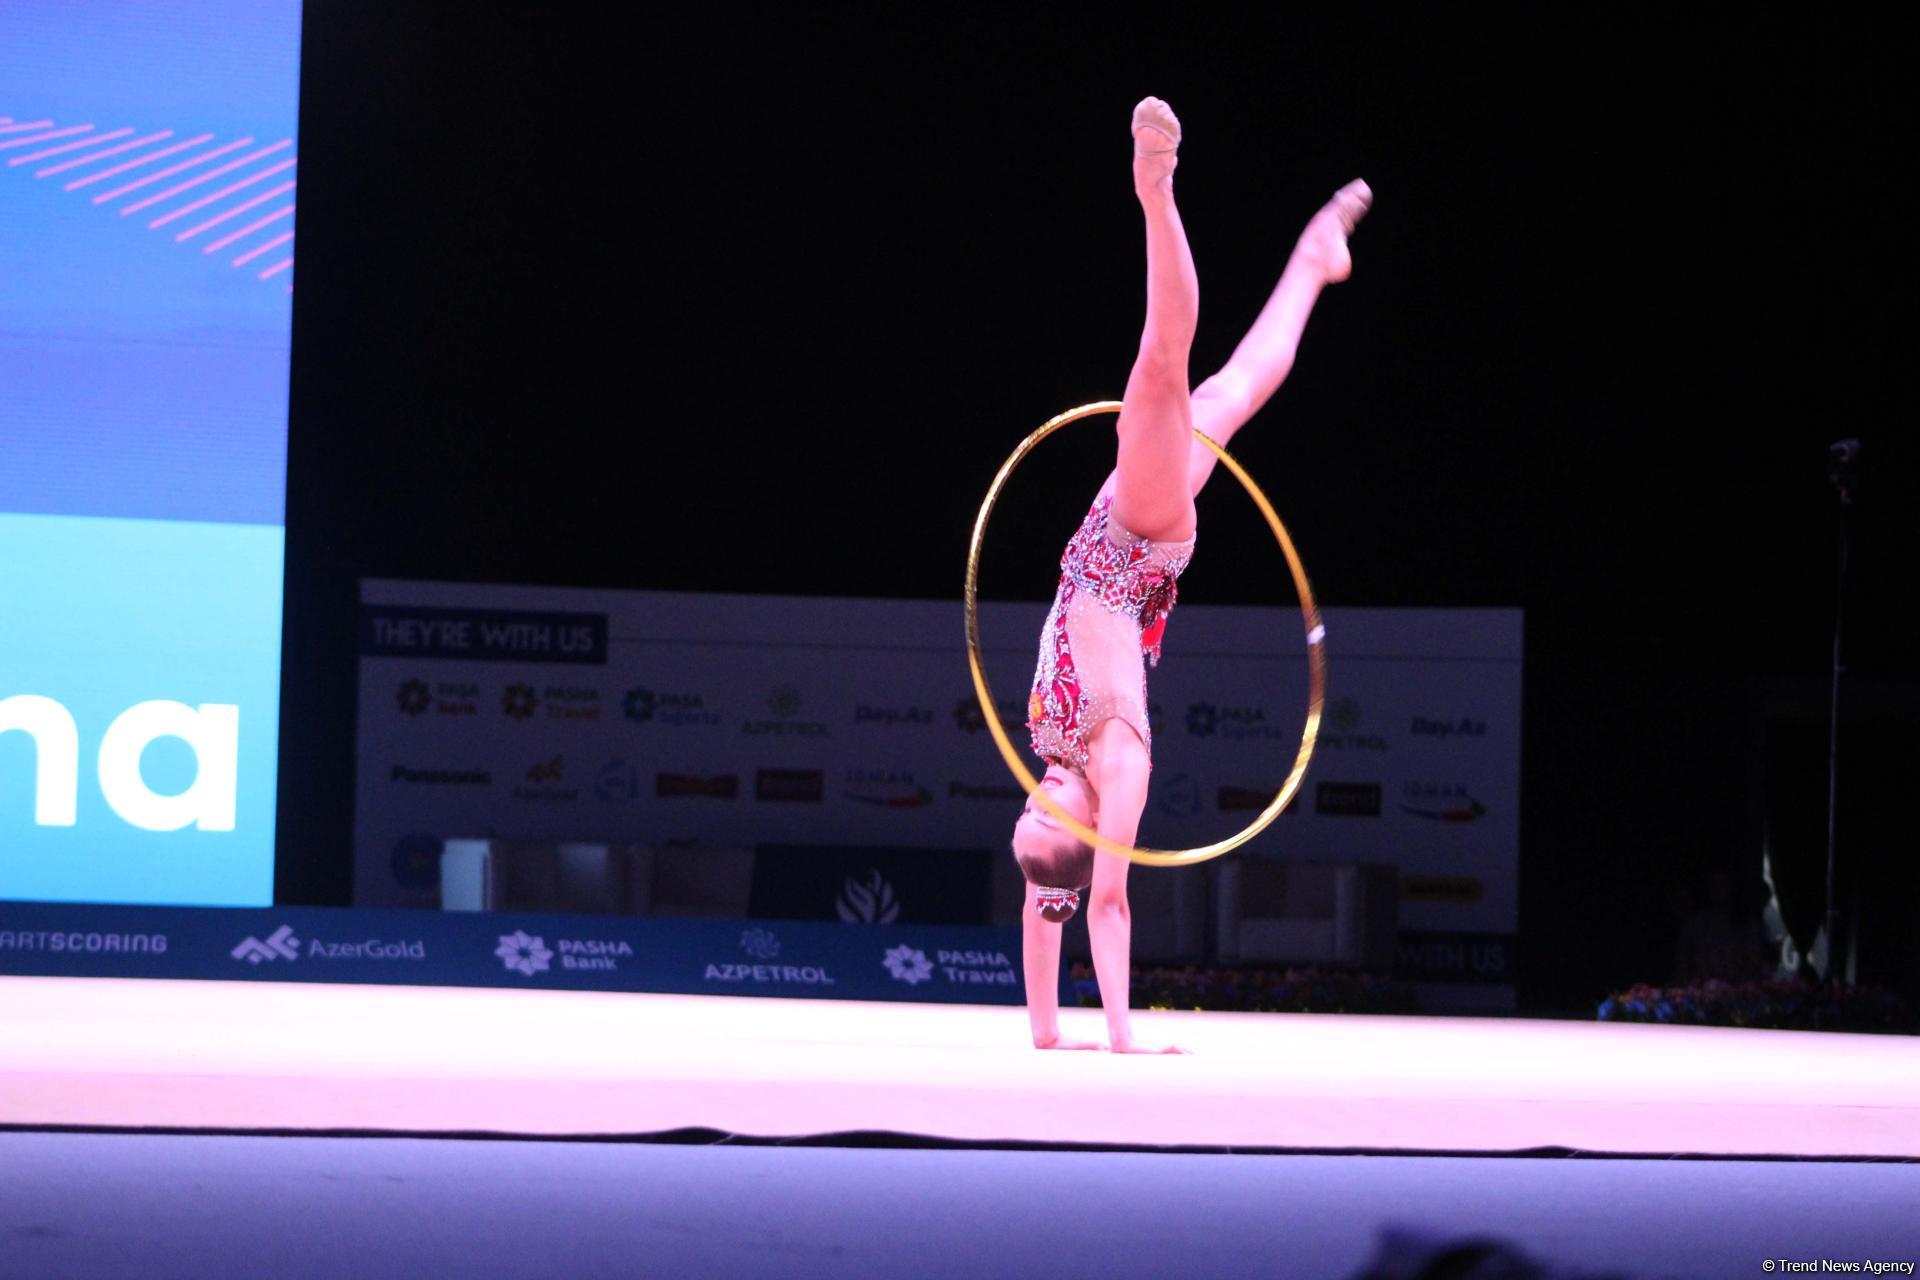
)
(755, 299)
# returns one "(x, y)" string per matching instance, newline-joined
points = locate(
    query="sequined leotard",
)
(1116, 590)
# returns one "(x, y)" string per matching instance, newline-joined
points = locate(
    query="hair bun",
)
(1057, 905)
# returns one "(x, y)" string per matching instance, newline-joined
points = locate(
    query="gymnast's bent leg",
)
(1223, 403)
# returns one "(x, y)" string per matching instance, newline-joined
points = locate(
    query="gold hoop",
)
(1316, 657)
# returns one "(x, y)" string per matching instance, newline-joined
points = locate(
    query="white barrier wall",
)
(640, 717)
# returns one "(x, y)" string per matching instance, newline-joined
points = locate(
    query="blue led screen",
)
(148, 159)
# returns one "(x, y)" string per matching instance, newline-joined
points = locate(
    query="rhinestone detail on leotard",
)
(1133, 581)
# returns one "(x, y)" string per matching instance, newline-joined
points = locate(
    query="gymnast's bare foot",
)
(1156, 144)
(1324, 243)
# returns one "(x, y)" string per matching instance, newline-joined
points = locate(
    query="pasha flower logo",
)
(784, 701)
(518, 701)
(1344, 716)
(1202, 719)
(414, 698)
(760, 944)
(908, 964)
(522, 953)
(675, 708)
(869, 902)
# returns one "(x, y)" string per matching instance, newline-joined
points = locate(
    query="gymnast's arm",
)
(1040, 958)
(1118, 769)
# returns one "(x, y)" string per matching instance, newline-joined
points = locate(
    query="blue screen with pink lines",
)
(147, 166)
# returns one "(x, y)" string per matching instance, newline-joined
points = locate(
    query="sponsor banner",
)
(441, 777)
(483, 635)
(1456, 890)
(1441, 801)
(785, 714)
(886, 788)
(1177, 795)
(1347, 799)
(1008, 794)
(1242, 798)
(745, 721)
(871, 885)
(1347, 729)
(790, 786)
(891, 717)
(1447, 727)
(545, 782)
(943, 964)
(1427, 955)
(717, 786)
(674, 708)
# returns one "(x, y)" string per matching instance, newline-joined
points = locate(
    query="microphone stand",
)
(1842, 457)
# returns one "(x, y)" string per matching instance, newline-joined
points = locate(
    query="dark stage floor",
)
(197, 1207)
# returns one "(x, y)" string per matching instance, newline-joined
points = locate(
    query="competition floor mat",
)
(250, 1057)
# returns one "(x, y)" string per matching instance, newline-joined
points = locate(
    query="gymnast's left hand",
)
(1062, 1042)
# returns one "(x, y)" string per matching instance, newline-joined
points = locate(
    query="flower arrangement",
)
(1300, 990)
(1791, 1004)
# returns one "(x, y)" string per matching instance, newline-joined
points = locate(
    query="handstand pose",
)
(1088, 709)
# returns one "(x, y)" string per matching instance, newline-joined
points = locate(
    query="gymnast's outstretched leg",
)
(1152, 496)
(1223, 403)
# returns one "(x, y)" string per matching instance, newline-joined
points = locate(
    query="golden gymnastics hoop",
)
(1316, 657)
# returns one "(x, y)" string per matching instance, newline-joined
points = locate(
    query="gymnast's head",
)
(1051, 856)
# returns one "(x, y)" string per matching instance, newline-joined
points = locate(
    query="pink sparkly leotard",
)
(1116, 590)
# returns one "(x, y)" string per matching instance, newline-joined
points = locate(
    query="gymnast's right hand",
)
(1061, 1042)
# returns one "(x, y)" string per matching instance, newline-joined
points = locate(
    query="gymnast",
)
(1087, 713)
